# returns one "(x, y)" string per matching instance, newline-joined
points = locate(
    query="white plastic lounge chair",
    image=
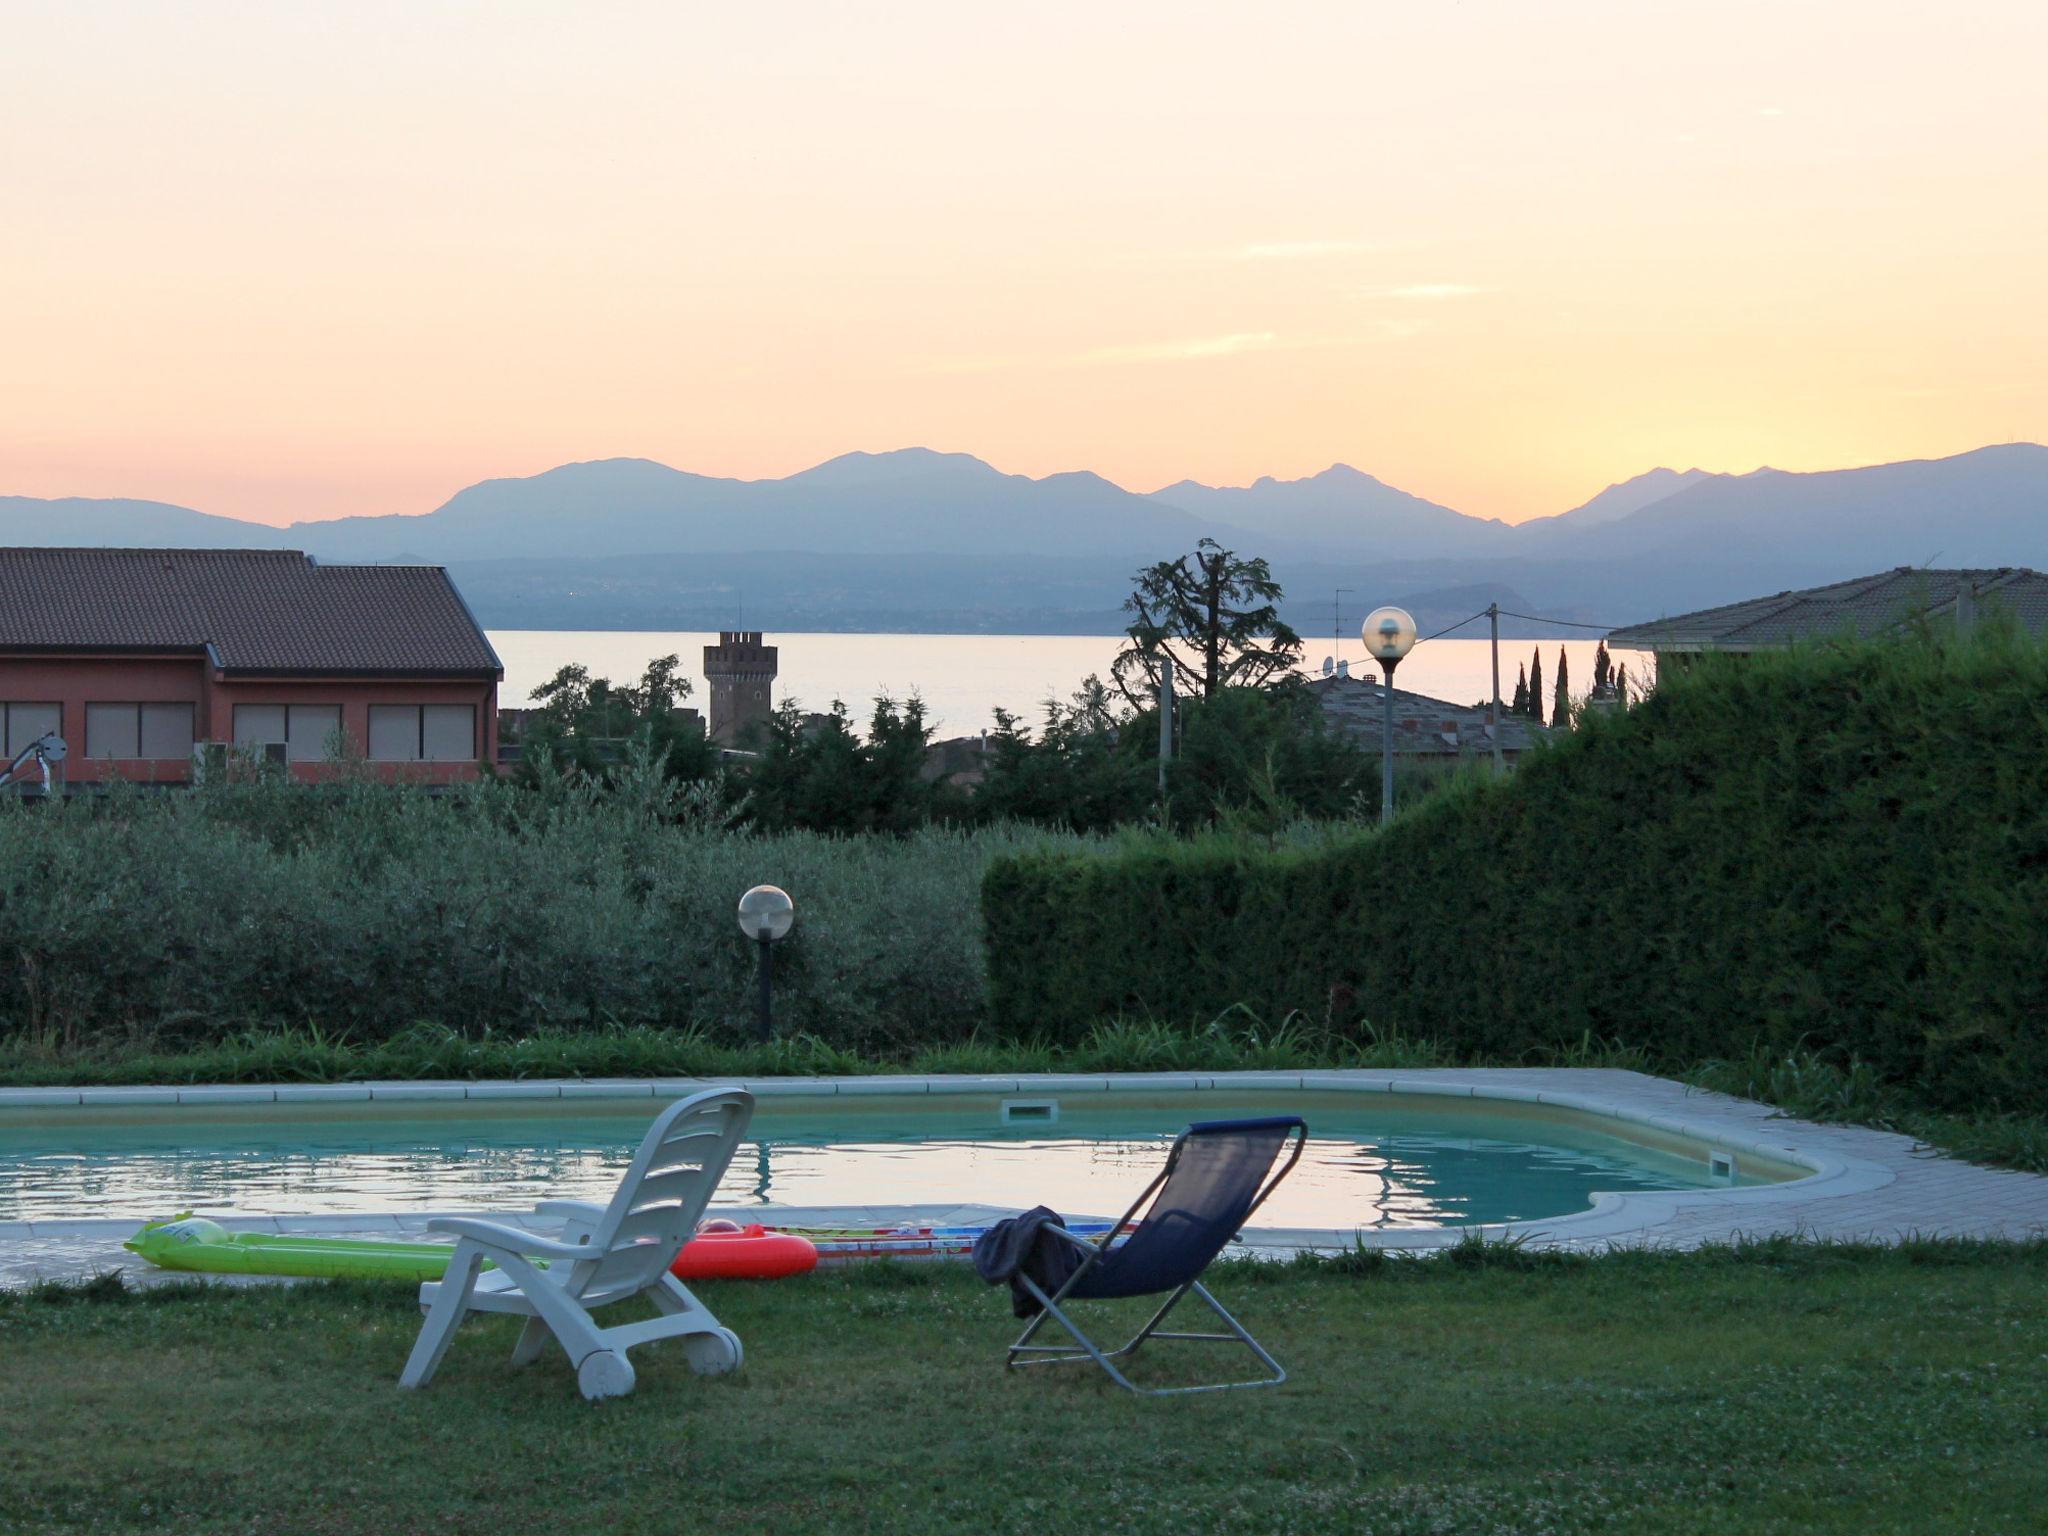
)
(605, 1254)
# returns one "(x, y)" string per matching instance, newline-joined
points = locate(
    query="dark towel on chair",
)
(1020, 1245)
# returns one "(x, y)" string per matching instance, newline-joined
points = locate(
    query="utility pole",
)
(1165, 721)
(1493, 613)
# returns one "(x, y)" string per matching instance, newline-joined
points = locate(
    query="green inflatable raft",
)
(192, 1242)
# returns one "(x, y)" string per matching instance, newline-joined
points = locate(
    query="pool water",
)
(1372, 1161)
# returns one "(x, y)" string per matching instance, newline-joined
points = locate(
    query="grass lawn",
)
(1779, 1387)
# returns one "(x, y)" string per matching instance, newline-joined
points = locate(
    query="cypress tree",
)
(1561, 706)
(1521, 703)
(1535, 709)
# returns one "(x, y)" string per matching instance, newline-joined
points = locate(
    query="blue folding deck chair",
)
(1217, 1174)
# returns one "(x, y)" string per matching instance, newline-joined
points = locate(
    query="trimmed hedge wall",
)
(1845, 846)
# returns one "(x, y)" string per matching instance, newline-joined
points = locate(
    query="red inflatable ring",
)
(745, 1253)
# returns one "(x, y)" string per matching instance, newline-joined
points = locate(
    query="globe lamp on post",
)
(766, 916)
(1389, 635)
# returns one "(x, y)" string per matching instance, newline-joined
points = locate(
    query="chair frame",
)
(558, 1299)
(1094, 1252)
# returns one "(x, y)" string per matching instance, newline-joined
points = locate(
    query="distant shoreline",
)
(1308, 627)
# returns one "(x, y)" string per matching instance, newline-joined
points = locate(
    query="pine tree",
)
(1521, 704)
(1561, 706)
(1535, 709)
(1215, 617)
(1603, 669)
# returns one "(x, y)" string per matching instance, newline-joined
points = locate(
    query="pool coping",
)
(1842, 1193)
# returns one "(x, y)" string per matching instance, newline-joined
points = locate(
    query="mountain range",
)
(919, 540)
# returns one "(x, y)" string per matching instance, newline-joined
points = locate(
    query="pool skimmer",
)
(1031, 1111)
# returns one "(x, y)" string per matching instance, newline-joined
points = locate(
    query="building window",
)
(423, 733)
(308, 732)
(138, 730)
(21, 724)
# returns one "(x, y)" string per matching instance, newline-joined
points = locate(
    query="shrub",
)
(188, 918)
(1842, 848)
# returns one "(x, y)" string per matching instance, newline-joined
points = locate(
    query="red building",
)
(142, 658)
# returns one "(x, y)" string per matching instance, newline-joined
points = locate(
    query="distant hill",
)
(112, 523)
(1617, 501)
(916, 539)
(1341, 509)
(1988, 507)
(912, 500)
(946, 594)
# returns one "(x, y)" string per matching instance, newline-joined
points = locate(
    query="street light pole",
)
(766, 916)
(1387, 748)
(1389, 634)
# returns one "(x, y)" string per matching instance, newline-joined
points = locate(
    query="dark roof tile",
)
(1355, 705)
(1868, 605)
(259, 610)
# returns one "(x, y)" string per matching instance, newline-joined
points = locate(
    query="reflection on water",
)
(1386, 1168)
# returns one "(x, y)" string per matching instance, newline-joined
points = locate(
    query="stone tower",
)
(741, 673)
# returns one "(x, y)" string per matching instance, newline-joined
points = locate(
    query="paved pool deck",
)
(1862, 1185)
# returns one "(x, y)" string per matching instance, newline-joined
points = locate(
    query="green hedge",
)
(1845, 846)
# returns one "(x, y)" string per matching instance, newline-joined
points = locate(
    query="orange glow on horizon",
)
(302, 262)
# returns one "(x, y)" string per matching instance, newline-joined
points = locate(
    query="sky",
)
(307, 260)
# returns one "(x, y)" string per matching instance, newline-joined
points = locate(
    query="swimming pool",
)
(1374, 1160)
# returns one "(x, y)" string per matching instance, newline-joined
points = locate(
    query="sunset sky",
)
(282, 261)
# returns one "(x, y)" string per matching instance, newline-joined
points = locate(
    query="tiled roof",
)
(1422, 725)
(266, 611)
(1869, 605)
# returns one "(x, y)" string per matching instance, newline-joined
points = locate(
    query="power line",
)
(1533, 618)
(1459, 625)
(1537, 618)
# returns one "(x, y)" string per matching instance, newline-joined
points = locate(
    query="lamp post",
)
(766, 916)
(1389, 634)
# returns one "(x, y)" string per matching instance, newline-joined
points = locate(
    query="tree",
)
(1083, 772)
(1561, 706)
(1520, 706)
(1251, 746)
(815, 774)
(585, 722)
(1092, 707)
(1214, 616)
(1535, 710)
(1249, 758)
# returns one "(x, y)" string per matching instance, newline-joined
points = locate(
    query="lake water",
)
(964, 679)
